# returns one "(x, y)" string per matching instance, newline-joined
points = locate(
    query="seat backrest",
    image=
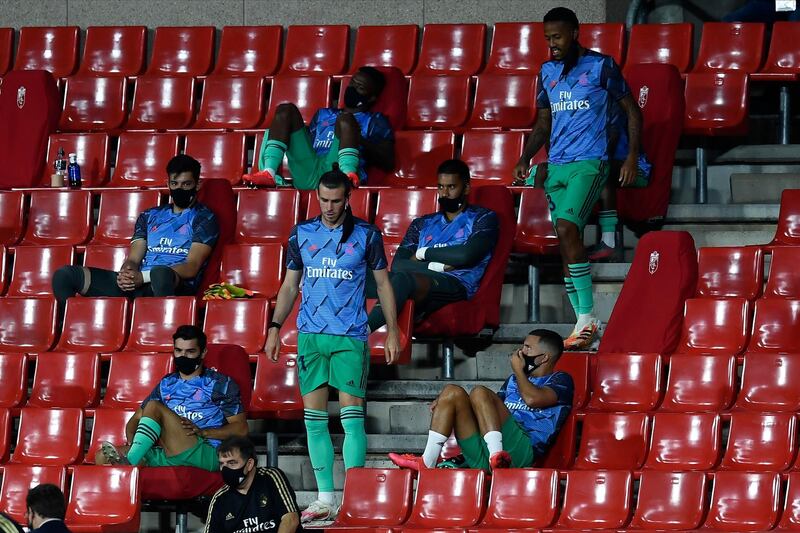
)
(59, 217)
(670, 500)
(512, 492)
(161, 102)
(34, 266)
(790, 519)
(774, 322)
(154, 320)
(14, 385)
(308, 93)
(92, 151)
(142, 159)
(535, 232)
(731, 46)
(605, 37)
(517, 47)
(221, 155)
(448, 498)
(49, 436)
(54, 49)
(386, 46)
(744, 501)
(94, 325)
(418, 154)
(249, 51)
(761, 442)
(716, 102)
(661, 43)
(715, 325)
(66, 380)
(257, 267)
(182, 50)
(596, 499)
(452, 49)
(105, 256)
(312, 49)
(104, 496)
(289, 330)
(19, 479)
(234, 362)
(6, 49)
(397, 208)
(684, 441)
(767, 383)
(626, 382)
(276, 393)
(240, 321)
(108, 425)
(440, 102)
(376, 497)
(118, 212)
(231, 102)
(6, 429)
(730, 272)
(626, 450)
(265, 216)
(28, 325)
(12, 216)
(93, 104)
(788, 230)
(783, 56)
(697, 382)
(131, 377)
(114, 50)
(504, 101)
(218, 196)
(784, 277)
(490, 155)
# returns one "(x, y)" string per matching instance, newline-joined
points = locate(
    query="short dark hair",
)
(184, 163)
(376, 77)
(189, 332)
(243, 444)
(551, 341)
(47, 501)
(562, 14)
(457, 167)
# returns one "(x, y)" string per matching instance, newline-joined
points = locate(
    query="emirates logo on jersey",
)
(652, 266)
(21, 97)
(643, 92)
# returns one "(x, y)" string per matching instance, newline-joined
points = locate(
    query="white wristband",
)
(146, 276)
(436, 267)
(421, 253)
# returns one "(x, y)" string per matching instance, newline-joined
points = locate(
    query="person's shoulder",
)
(559, 376)
(203, 210)
(364, 225)
(212, 374)
(479, 210)
(310, 223)
(220, 494)
(151, 211)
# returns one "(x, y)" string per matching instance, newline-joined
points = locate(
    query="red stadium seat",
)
(790, 520)
(132, 376)
(12, 216)
(13, 383)
(784, 277)
(377, 339)
(266, 215)
(661, 43)
(28, 325)
(54, 49)
(257, 267)
(448, 498)
(699, 383)
(218, 196)
(312, 49)
(386, 46)
(108, 425)
(783, 60)
(760, 442)
(154, 320)
(788, 231)
(730, 272)
(684, 441)
(730, 46)
(596, 500)
(626, 382)
(774, 325)
(744, 501)
(51, 437)
(6, 47)
(613, 441)
(231, 103)
(289, 330)
(440, 102)
(6, 428)
(240, 321)
(418, 154)
(104, 499)
(142, 159)
(162, 103)
(512, 491)
(360, 203)
(276, 393)
(249, 51)
(104, 256)
(119, 210)
(517, 48)
(561, 454)
(535, 233)
(491, 156)
(397, 208)
(91, 150)
(577, 366)
(93, 104)
(768, 384)
(182, 51)
(375, 497)
(670, 500)
(19, 479)
(504, 101)
(308, 93)
(3, 277)
(94, 325)
(715, 325)
(221, 155)
(716, 103)
(114, 50)
(66, 380)
(606, 37)
(34, 267)
(58, 217)
(452, 49)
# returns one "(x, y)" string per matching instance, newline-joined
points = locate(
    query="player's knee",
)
(67, 281)
(286, 111)
(345, 125)
(153, 409)
(162, 281)
(566, 230)
(480, 394)
(453, 394)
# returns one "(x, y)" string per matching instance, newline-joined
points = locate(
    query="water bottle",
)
(60, 166)
(74, 172)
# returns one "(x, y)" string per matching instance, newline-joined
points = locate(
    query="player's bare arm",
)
(386, 298)
(287, 295)
(629, 168)
(538, 137)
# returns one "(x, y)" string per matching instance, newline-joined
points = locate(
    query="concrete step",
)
(419, 389)
(719, 181)
(724, 213)
(761, 153)
(301, 475)
(762, 187)
(727, 234)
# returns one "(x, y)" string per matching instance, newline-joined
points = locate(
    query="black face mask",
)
(451, 205)
(182, 198)
(354, 100)
(530, 363)
(233, 477)
(186, 365)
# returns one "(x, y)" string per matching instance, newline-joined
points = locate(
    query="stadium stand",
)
(661, 43)
(142, 159)
(161, 103)
(182, 51)
(606, 38)
(318, 50)
(231, 103)
(94, 325)
(58, 217)
(386, 46)
(92, 151)
(249, 51)
(451, 49)
(54, 49)
(516, 48)
(33, 269)
(93, 104)
(730, 46)
(730, 272)
(6, 49)
(65, 380)
(154, 320)
(114, 51)
(440, 102)
(504, 101)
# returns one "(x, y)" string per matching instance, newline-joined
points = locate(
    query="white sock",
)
(583, 321)
(609, 238)
(326, 497)
(494, 441)
(433, 448)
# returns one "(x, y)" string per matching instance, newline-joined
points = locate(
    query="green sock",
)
(146, 437)
(355, 438)
(571, 294)
(320, 448)
(581, 275)
(348, 160)
(271, 155)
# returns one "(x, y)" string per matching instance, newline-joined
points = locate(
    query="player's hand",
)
(520, 172)
(129, 279)
(189, 427)
(627, 173)
(392, 347)
(517, 362)
(434, 403)
(273, 346)
(518, 182)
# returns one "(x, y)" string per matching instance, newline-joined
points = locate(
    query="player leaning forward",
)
(331, 254)
(576, 91)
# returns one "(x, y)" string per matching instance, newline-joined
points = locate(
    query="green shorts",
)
(515, 441)
(573, 188)
(202, 455)
(305, 165)
(335, 360)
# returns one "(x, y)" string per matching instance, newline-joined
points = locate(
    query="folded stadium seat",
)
(698, 382)
(230, 102)
(767, 383)
(684, 441)
(417, 156)
(374, 497)
(93, 104)
(6, 429)
(787, 233)
(730, 272)
(103, 498)
(790, 519)
(266, 215)
(3, 261)
(613, 441)
(257, 267)
(94, 325)
(221, 155)
(107, 425)
(54, 49)
(32, 274)
(91, 150)
(386, 46)
(626, 382)
(504, 101)
(448, 498)
(360, 202)
(132, 376)
(19, 479)
(66, 380)
(240, 321)
(669, 501)
(154, 320)
(491, 155)
(249, 51)
(513, 490)
(14, 385)
(377, 339)
(715, 325)
(606, 37)
(397, 208)
(744, 501)
(28, 325)
(664, 274)
(276, 393)
(774, 325)
(517, 48)
(760, 442)
(12, 216)
(730, 46)
(105, 256)
(440, 102)
(318, 50)
(452, 49)
(6, 48)
(142, 159)
(182, 51)
(716, 103)
(784, 279)
(49, 437)
(58, 217)
(218, 196)
(669, 44)
(308, 93)
(114, 50)
(561, 454)
(119, 210)
(162, 103)
(596, 500)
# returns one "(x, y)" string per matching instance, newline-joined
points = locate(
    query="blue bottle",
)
(74, 172)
